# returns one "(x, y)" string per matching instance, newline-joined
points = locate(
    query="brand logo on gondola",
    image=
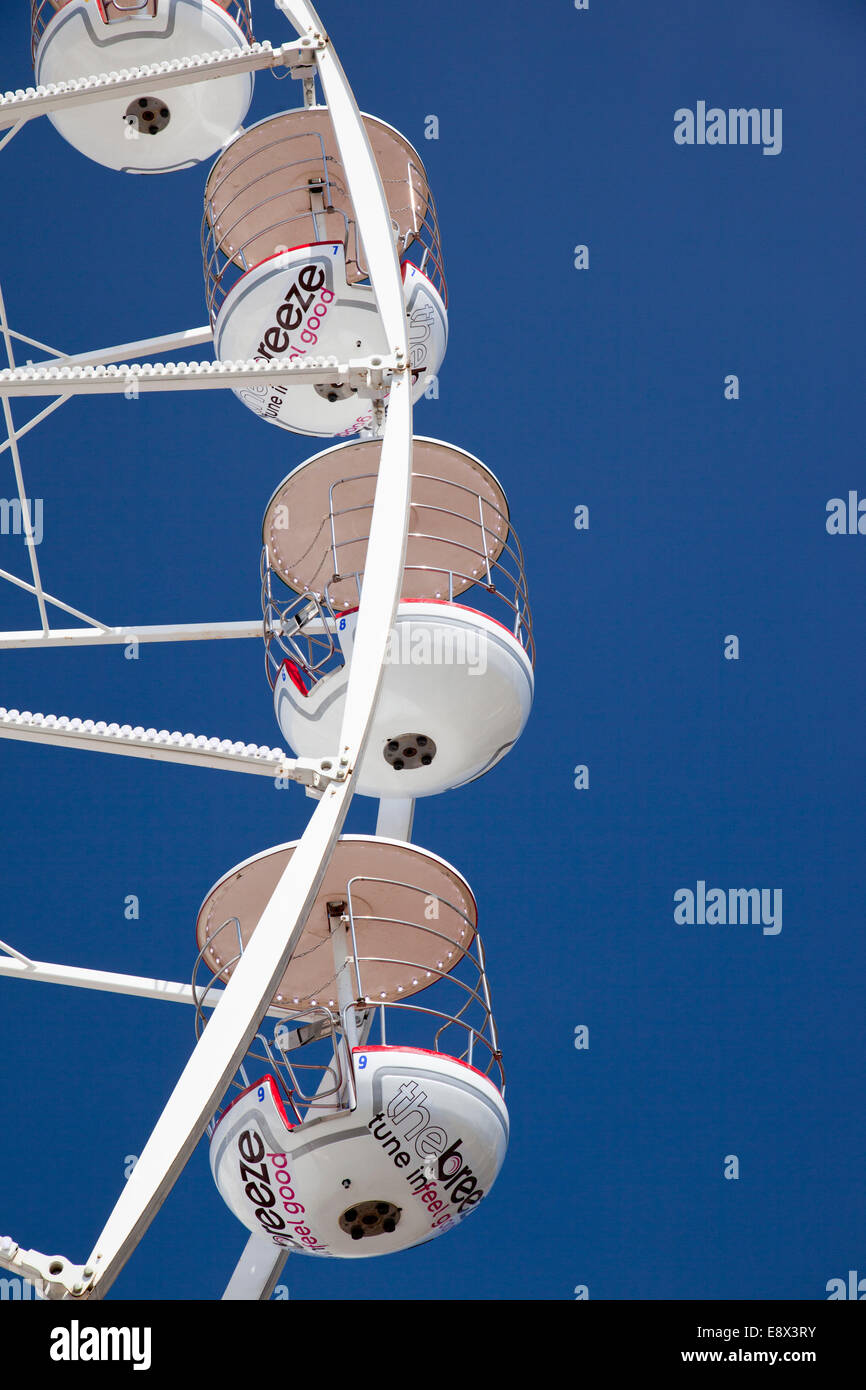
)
(422, 322)
(444, 1181)
(296, 314)
(259, 1191)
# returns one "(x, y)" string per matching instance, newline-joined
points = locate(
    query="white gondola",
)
(370, 1116)
(286, 274)
(156, 132)
(458, 680)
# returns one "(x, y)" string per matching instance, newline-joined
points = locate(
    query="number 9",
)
(260, 1093)
(362, 1062)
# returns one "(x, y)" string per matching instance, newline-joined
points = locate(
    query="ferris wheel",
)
(346, 1066)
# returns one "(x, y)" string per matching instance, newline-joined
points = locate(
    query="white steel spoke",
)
(118, 636)
(303, 18)
(10, 951)
(106, 981)
(18, 966)
(167, 342)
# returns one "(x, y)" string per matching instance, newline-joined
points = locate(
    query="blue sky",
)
(602, 387)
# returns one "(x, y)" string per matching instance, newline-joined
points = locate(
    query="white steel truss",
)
(366, 373)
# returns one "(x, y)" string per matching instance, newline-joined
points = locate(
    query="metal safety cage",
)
(297, 629)
(457, 1022)
(492, 578)
(496, 583)
(271, 212)
(43, 11)
(486, 565)
(461, 1023)
(318, 1084)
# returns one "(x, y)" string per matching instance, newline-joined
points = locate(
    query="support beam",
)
(120, 636)
(256, 1272)
(105, 981)
(395, 818)
(18, 967)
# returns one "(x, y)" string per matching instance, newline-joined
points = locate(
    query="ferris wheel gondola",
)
(286, 271)
(372, 1117)
(163, 129)
(458, 681)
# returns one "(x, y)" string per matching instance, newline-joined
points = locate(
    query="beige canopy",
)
(410, 946)
(282, 184)
(458, 521)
